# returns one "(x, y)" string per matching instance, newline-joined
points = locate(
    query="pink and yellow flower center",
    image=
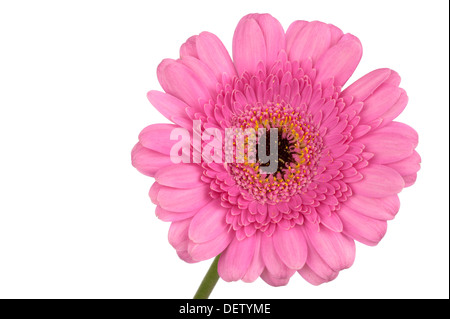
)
(299, 146)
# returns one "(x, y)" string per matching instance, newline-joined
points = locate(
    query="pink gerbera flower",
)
(342, 159)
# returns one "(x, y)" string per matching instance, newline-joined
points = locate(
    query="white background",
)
(76, 221)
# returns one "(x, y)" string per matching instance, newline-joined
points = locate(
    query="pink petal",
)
(292, 33)
(273, 34)
(364, 229)
(235, 261)
(379, 102)
(249, 46)
(310, 42)
(214, 54)
(273, 262)
(180, 176)
(407, 166)
(406, 131)
(317, 265)
(160, 72)
(169, 216)
(379, 181)
(156, 137)
(336, 34)
(339, 61)
(257, 265)
(336, 249)
(396, 109)
(210, 249)
(183, 200)
(290, 246)
(387, 147)
(410, 179)
(394, 78)
(148, 162)
(181, 82)
(209, 222)
(332, 221)
(189, 48)
(184, 255)
(380, 208)
(178, 234)
(275, 281)
(203, 73)
(171, 107)
(153, 192)
(310, 276)
(365, 86)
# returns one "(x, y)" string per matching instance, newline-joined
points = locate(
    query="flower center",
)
(298, 150)
(282, 154)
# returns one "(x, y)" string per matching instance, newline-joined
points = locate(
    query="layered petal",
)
(249, 46)
(213, 53)
(388, 146)
(180, 176)
(168, 216)
(340, 61)
(290, 246)
(379, 181)
(410, 179)
(292, 33)
(396, 109)
(156, 137)
(407, 166)
(366, 230)
(274, 265)
(336, 249)
(235, 261)
(147, 161)
(407, 132)
(209, 222)
(210, 249)
(257, 265)
(202, 72)
(180, 81)
(382, 97)
(273, 34)
(179, 240)
(171, 107)
(310, 276)
(380, 102)
(153, 192)
(316, 270)
(183, 200)
(366, 85)
(310, 40)
(275, 281)
(384, 208)
(189, 48)
(328, 218)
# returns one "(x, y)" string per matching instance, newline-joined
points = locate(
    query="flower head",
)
(341, 159)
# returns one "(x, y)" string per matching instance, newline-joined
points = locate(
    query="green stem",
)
(209, 281)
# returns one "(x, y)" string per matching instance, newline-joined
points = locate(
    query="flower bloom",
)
(342, 159)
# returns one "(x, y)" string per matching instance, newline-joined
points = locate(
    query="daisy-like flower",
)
(342, 159)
